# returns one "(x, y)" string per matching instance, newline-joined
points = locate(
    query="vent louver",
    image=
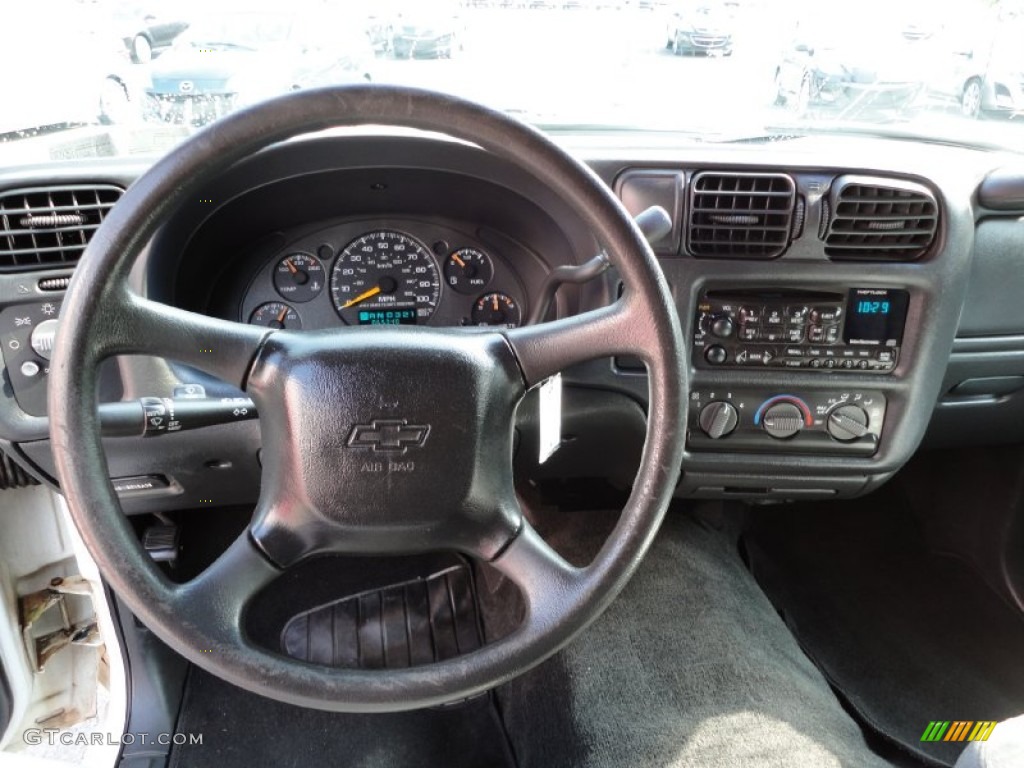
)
(873, 219)
(740, 215)
(48, 227)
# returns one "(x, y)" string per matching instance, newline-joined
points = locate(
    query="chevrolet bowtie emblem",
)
(391, 436)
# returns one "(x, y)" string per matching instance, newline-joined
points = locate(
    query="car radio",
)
(858, 330)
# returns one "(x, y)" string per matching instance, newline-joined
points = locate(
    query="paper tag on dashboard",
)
(550, 416)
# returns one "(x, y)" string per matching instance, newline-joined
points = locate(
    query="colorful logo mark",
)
(958, 730)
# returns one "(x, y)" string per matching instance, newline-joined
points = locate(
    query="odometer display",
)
(382, 271)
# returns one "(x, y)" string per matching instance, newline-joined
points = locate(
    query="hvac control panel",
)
(845, 422)
(859, 330)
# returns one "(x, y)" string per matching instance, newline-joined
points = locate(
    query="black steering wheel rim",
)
(108, 319)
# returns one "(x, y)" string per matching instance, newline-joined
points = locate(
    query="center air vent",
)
(48, 227)
(740, 215)
(876, 219)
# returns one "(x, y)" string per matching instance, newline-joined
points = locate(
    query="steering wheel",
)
(314, 389)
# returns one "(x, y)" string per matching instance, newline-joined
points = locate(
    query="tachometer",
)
(385, 272)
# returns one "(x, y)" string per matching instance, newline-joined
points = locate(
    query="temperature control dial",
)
(718, 419)
(848, 422)
(782, 420)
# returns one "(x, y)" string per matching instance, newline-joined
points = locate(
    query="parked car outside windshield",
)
(752, 68)
(225, 62)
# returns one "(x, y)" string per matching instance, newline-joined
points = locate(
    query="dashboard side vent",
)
(48, 227)
(740, 215)
(872, 219)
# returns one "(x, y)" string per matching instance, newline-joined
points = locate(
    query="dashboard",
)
(846, 300)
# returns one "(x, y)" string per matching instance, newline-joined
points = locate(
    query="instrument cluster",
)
(385, 272)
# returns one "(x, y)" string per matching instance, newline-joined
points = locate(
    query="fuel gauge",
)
(276, 314)
(468, 270)
(496, 308)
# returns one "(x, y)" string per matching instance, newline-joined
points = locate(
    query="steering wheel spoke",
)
(545, 349)
(547, 581)
(221, 348)
(218, 596)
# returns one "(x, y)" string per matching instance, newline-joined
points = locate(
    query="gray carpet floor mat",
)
(908, 637)
(690, 666)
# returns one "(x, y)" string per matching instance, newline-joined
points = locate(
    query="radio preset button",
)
(774, 316)
(826, 314)
(795, 335)
(749, 332)
(751, 314)
(816, 334)
(797, 314)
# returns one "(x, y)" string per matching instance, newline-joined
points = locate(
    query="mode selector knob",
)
(718, 419)
(42, 338)
(782, 420)
(848, 422)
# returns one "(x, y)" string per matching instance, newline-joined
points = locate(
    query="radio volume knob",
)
(847, 423)
(722, 326)
(718, 419)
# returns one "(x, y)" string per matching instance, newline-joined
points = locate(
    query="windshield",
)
(245, 30)
(120, 77)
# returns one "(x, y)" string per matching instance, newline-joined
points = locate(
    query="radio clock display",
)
(873, 307)
(875, 317)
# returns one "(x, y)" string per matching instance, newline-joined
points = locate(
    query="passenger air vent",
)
(880, 219)
(740, 215)
(47, 227)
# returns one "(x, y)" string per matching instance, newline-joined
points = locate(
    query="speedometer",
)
(385, 278)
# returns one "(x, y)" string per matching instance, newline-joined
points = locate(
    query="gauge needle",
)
(282, 316)
(457, 260)
(494, 301)
(361, 297)
(291, 267)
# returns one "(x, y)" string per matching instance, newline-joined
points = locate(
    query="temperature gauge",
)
(299, 277)
(468, 270)
(276, 314)
(496, 309)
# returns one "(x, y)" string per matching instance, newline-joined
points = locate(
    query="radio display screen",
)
(875, 316)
